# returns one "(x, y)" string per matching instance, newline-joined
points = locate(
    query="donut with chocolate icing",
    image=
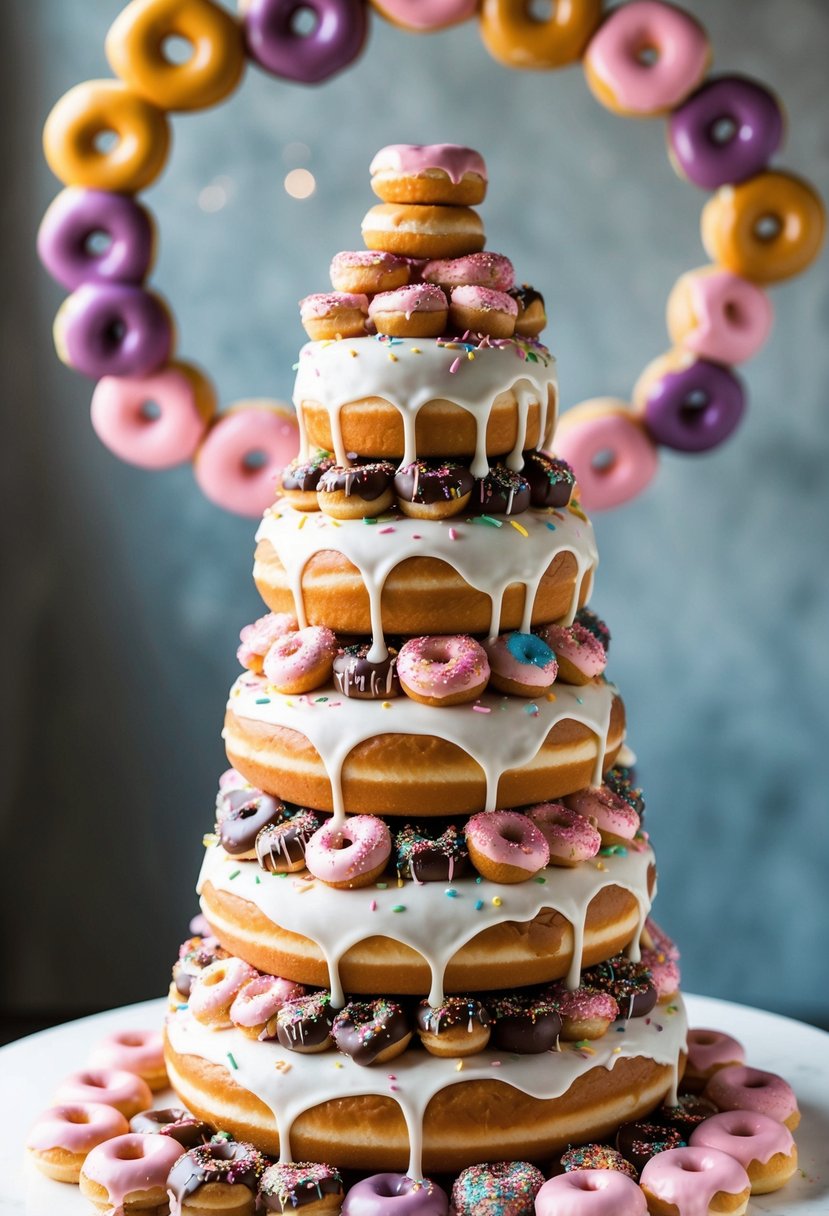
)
(527, 1024)
(621, 780)
(298, 481)
(627, 982)
(594, 624)
(355, 675)
(551, 481)
(532, 314)
(304, 1024)
(643, 1139)
(433, 489)
(280, 847)
(194, 955)
(690, 1111)
(242, 815)
(371, 1032)
(501, 492)
(360, 491)
(313, 1188)
(174, 1121)
(423, 856)
(214, 1172)
(459, 1026)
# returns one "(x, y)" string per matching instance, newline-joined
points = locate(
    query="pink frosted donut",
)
(395, 1195)
(215, 989)
(329, 315)
(367, 271)
(138, 1051)
(665, 974)
(689, 1178)
(261, 999)
(506, 846)
(297, 662)
(237, 465)
(521, 663)
(442, 670)
(585, 1012)
(739, 1088)
(417, 310)
(109, 1086)
(492, 270)
(73, 1129)
(590, 1193)
(129, 1165)
(155, 421)
(752, 1139)
(352, 854)
(483, 311)
(581, 656)
(719, 316)
(612, 455)
(257, 639)
(646, 58)
(571, 837)
(616, 819)
(708, 1052)
(425, 15)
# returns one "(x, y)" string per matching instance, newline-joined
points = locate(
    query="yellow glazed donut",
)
(88, 112)
(135, 48)
(735, 220)
(423, 231)
(514, 37)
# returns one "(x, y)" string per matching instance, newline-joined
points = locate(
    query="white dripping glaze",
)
(433, 923)
(499, 733)
(309, 1080)
(489, 558)
(408, 374)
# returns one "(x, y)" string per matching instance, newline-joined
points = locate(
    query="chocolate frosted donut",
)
(358, 491)
(629, 983)
(594, 624)
(597, 1157)
(371, 1031)
(280, 847)
(501, 492)
(425, 857)
(433, 489)
(551, 481)
(459, 1026)
(640, 1141)
(686, 1116)
(622, 781)
(532, 315)
(526, 1024)
(175, 1122)
(286, 1186)
(194, 955)
(242, 815)
(221, 1160)
(304, 1024)
(355, 675)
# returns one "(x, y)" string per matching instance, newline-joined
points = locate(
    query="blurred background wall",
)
(123, 591)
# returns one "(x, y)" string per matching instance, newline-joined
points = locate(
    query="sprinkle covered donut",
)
(443, 670)
(209, 1175)
(551, 481)
(280, 847)
(614, 817)
(641, 1140)
(299, 480)
(506, 846)
(597, 1157)
(257, 1003)
(353, 854)
(627, 982)
(298, 662)
(215, 990)
(327, 316)
(371, 1032)
(63, 1136)
(304, 1023)
(429, 173)
(521, 664)
(581, 656)
(368, 271)
(433, 489)
(525, 1023)
(492, 270)
(314, 1188)
(585, 1012)
(501, 1188)
(425, 857)
(419, 310)
(458, 1027)
(395, 1195)
(256, 639)
(501, 492)
(483, 311)
(361, 491)
(571, 837)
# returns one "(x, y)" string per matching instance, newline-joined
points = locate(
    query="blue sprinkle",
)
(580, 700)
(451, 892)
(263, 700)
(479, 903)
(552, 527)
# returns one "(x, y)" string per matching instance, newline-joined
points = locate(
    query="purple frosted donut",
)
(726, 132)
(65, 240)
(695, 408)
(500, 1188)
(395, 1195)
(337, 37)
(242, 815)
(113, 329)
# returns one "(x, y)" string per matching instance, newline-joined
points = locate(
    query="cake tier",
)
(399, 757)
(426, 397)
(429, 1115)
(414, 576)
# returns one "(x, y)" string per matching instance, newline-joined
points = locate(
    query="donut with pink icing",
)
(327, 316)
(708, 1052)
(216, 988)
(257, 1003)
(395, 1195)
(442, 174)
(763, 1146)
(739, 1088)
(300, 661)
(664, 970)
(612, 455)
(419, 310)
(590, 1193)
(63, 1136)
(695, 1181)
(570, 836)
(138, 1051)
(615, 818)
(109, 1086)
(352, 854)
(521, 663)
(256, 639)
(506, 846)
(368, 271)
(717, 315)
(492, 270)
(482, 311)
(245, 450)
(581, 656)
(130, 1167)
(585, 1012)
(155, 421)
(443, 670)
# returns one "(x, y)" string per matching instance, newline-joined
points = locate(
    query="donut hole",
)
(148, 411)
(254, 461)
(647, 55)
(742, 1129)
(723, 130)
(131, 1038)
(304, 21)
(105, 140)
(755, 1083)
(704, 1040)
(76, 1115)
(115, 333)
(97, 243)
(540, 11)
(603, 461)
(691, 1167)
(692, 410)
(583, 1182)
(211, 978)
(735, 318)
(177, 50)
(131, 1151)
(512, 835)
(767, 228)
(94, 1080)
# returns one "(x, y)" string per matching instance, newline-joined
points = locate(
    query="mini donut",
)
(688, 1181)
(521, 664)
(355, 675)
(665, 973)
(506, 846)
(129, 1173)
(423, 231)
(763, 1147)
(245, 450)
(615, 818)
(719, 316)
(220, 1176)
(352, 854)
(551, 481)
(708, 1052)
(257, 639)
(138, 1051)
(627, 982)
(243, 815)
(501, 492)
(612, 455)
(689, 404)
(766, 229)
(532, 314)
(299, 662)
(304, 1023)
(447, 174)
(571, 837)
(581, 656)
(586, 1013)
(368, 271)
(63, 1136)
(195, 955)
(597, 1157)
(443, 670)
(371, 1032)
(299, 480)
(215, 990)
(419, 310)
(113, 329)
(362, 491)
(327, 316)
(620, 780)
(286, 1186)
(590, 1192)
(280, 848)
(492, 270)
(690, 1111)
(739, 1088)
(334, 41)
(155, 421)
(498, 1188)
(424, 857)
(175, 1122)
(106, 1086)
(482, 311)
(395, 1195)
(594, 624)
(257, 1003)
(433, 489)
(646, 58)
(459, 1026)
(67, 249)
(726, 132)
(514, 35)
(641, 1140)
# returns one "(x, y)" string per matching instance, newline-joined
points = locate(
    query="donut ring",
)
(756, 132)
(63, 1136)
(113, 329)
(216, 988)
(123, 1090)
(689, 404)
(605, 427)
(137, 1051)
(496, 1189)
(442, 670)
(602, 1192)
(299, 1184)
(299, 662)
(764, 1147)
(739, 1088)
(329, 315)
(708, 1052)
(257, 1003)
(128, 1170)
(353, 854)
(506, 846)
(255, 641)
(231, 1166)
(514, 37)
(371, 1032)
(571, 837)
(521, 663)
(174, 1122)
(614, 817)
(335, 41)
(716, 315)
(74, 128)
(135, 50)
(185, 400)
(684, 1177)
(64, 240)
(225, 464)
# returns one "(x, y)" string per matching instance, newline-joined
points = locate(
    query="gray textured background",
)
(124, 591)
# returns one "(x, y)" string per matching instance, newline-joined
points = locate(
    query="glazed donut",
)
(766, 229)
(571, 837)
(88, 111)
(425, 857)
(590, 1192)
(690, 1111)
(335, 41)
(241, 817)
(368, 271)
(482, 311)
(442, 670)
(615, 818)
(594, 624)
(446, 174)
(551, 481)
(65, 239)
(586, 1013)
(718, 316)
(137, 1051)
(689, 404)
(763, 1147)
(498, 1188)
(459, 1026)
(257, 1003)
(237, 465)
(739, 1088)
(222, 1174)
(491, 270)
(501, 492)
(515, 37)
(129, 1173)
(639, 1141)
(532, 314)
(355, 675)
(581, 656)
(135, 50)
(299, 662)
(687, 1181)
(215, 989)
(298, 482)
(371, 1032)
(194, 955)
(63, 1136)
(353, 854)
(362, 491)
(113, 329)
(708, 1052)
(423, 231)
(155, 421)
(280, 848)
(327, 316)
(395, 1195)
(521, 664)
(108, 1086)
(611, 453)
(419, 310)
(506, 846)
(256, 639)
(316, 1189)
(597, 1157)
(627, 982)
(175, 1122)
(433, 489)
(646, 58)
(725, 133)
(304, 1023)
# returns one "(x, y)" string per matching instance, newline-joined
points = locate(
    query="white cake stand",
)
(31, 1069)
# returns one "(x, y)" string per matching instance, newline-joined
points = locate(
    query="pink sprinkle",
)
(455, 364)
(416, 536)
(453, 534)
(392, 1076)
(482, 709)
(373, 906)
(383, 531)
(496, 1063)
(394, 1088)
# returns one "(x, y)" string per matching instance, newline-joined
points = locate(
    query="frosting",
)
(136, 1051)
(745, 1135)
(739, 1088)
(591, 1192)
(76, 1127)
(453, 159)
(417, 297)
(133, 1162)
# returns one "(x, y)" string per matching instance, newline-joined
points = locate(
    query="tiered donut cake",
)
(428, 889)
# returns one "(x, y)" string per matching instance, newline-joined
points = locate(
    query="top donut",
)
(443, 174)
